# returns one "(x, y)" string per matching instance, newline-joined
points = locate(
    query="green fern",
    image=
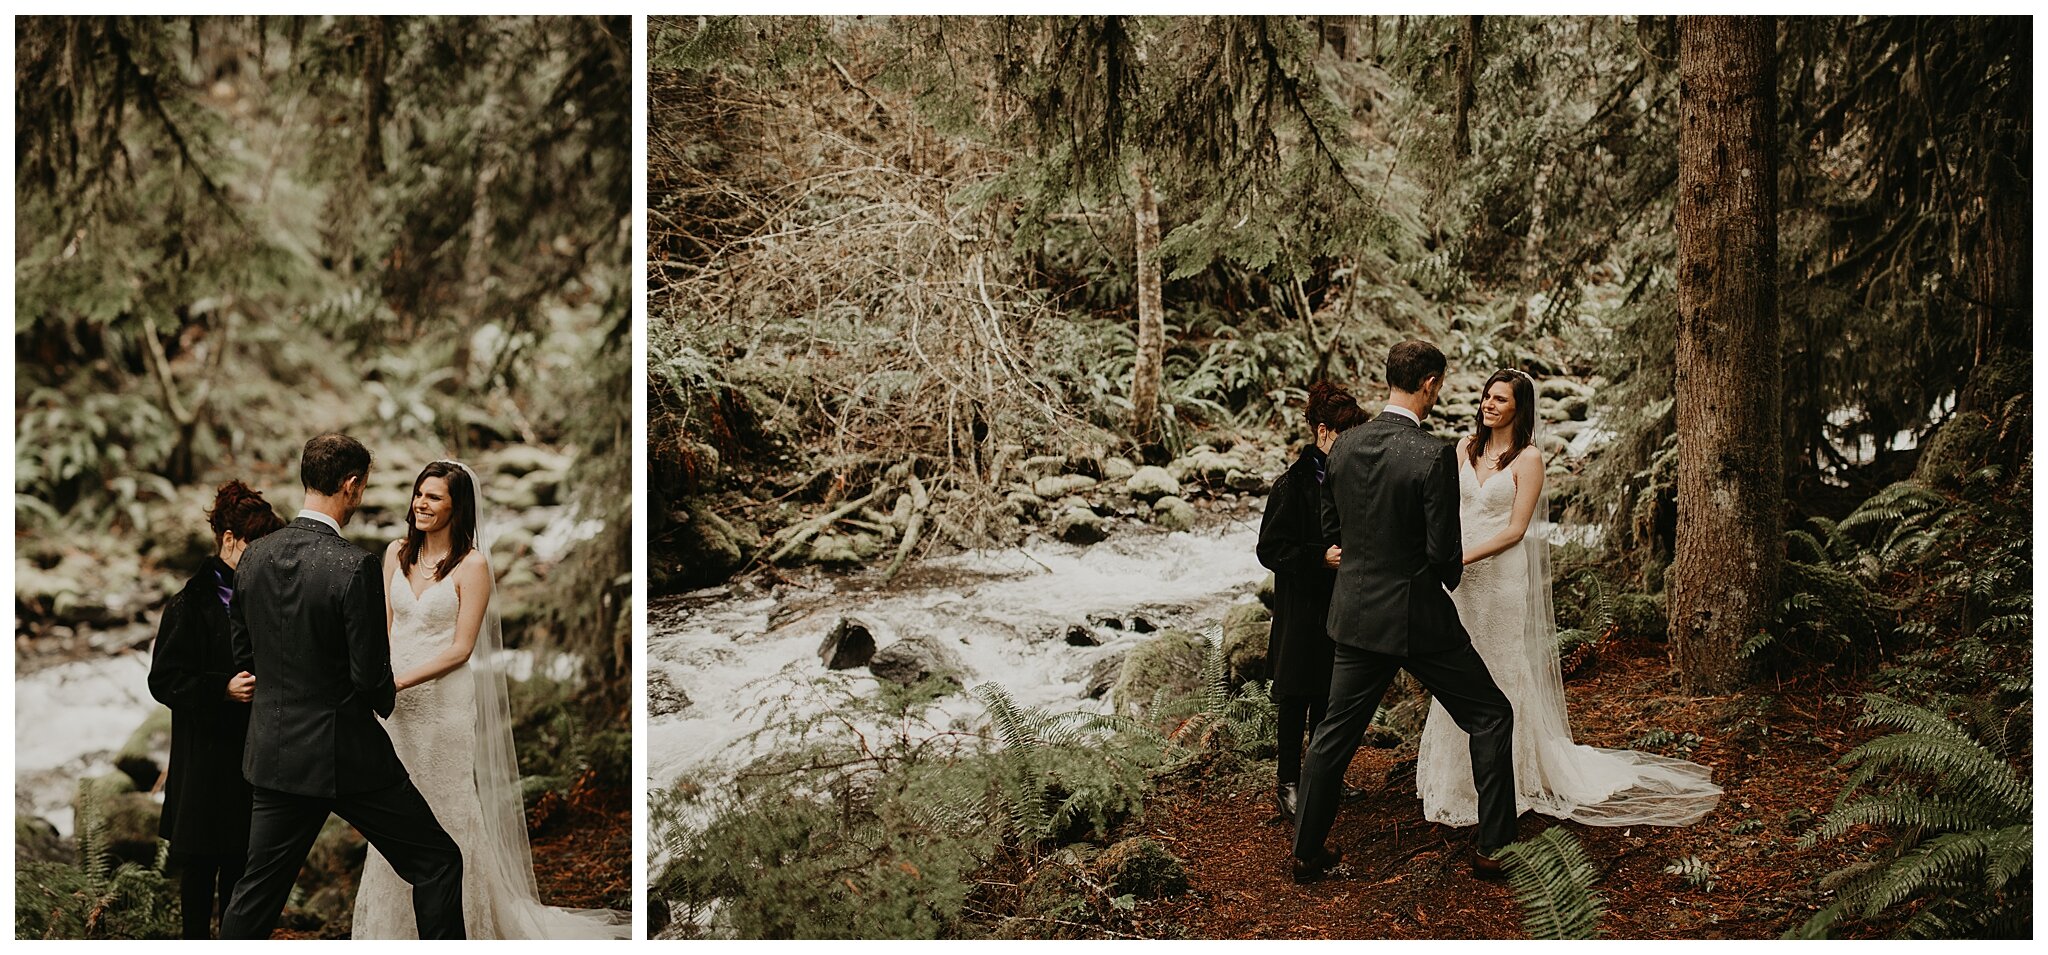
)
(1694, 871)
(1553, 881)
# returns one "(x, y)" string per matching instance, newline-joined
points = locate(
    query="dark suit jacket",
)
(206, 800)
(1390, 499)
(308, 619)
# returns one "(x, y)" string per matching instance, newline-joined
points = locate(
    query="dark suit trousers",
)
(396, 819)
(1459, 680)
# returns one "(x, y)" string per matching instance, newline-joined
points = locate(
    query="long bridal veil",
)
(1640, 788)
(507, 855)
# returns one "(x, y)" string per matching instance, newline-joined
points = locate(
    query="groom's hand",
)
(242, 687)
(1333, 557)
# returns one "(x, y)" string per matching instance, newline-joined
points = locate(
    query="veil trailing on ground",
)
(507, 855)
(1641, 788)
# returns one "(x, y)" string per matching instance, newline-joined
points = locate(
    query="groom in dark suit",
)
(308, 620)
(1390, 499)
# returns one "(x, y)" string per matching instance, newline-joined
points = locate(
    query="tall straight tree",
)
(1723, 582)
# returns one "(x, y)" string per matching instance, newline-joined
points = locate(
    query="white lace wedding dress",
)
(1504, 603)
(434, 727)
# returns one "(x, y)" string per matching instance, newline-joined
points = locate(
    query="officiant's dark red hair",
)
(461, 532)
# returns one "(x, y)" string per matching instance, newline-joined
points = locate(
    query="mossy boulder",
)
(126, 819)
(1247, 628)
(37, 840)
(1057, 486)
(1959, 447)
(844, 550)
(710, 548)
(1079, 525)
(1151, 483)
(1143, 868)
(1265, 591)
(1641, 616)
(1173, 514)
(1171, 660)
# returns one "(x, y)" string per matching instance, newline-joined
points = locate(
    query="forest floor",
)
(1773, 751)
(586, 861)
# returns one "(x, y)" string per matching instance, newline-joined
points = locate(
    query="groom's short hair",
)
(330, 459)
(1411, 363)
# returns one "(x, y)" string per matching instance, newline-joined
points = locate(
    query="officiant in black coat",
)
(192, 670)
(1303, 562)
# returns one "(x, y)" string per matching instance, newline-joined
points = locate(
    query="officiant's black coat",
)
(1291, 545)
(206, 800)
(309, 622)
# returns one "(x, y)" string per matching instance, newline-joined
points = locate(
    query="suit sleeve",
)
(240, 640)
(369, 642)
(1281, 545)
(1332, 522)
(1443, 542)
(175, 676)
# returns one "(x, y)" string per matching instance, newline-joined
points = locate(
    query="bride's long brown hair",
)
(461, 532)
(1524, 389)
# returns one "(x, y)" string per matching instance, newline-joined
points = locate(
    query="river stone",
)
(128, 818)
(519, 460)
(1173, 514)
(36, 840)
(849, 646)
(1244, 482)
(1150, 483)
(1061, 485)
(1023, 503)
(1207, 465)
(1081, 636)
(1551, 445)
(1110, 621)
(1575, 407)
(1143, 868)
(664, 698)
(710, 548)
(1246, 628)
(844, 549)
(1102, 674)
(1079, 525)
(1042, 466)
(1142, 624)
(138, 756)
(1170, 661)
(916, 657)
(1117, 468)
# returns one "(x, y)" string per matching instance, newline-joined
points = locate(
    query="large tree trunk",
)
(2003, 259)
(375, 97)
(1468, 70)
(1724, 571)
(1151, 357)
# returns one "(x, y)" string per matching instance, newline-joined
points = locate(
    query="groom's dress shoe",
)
(1351, 795)
(1288, 799)
(1313, 870)
(1487, 866)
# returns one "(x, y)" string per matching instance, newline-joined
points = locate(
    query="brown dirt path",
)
(1773, 751)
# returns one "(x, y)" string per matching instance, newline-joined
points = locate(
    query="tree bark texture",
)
(2004, 258)
(1148, 367)
(1468, 70)
(375, 97)
(1723, 584)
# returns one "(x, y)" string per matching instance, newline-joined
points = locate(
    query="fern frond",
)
(1553, 882)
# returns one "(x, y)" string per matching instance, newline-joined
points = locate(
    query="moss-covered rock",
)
(1079, 525)
(1959, 447)
(1246, 631)
(37, 840)
(914, 658)
(1170, 661)
(1143, 868)
(1173, 514)
(138, 756)
(1057, 486)
(1265, 591)
(1641, 616)
(123, 822)
(1151, 483)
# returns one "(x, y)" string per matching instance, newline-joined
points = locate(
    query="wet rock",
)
(1244, 482)
(915, 658)
(1575, 407)
(844, 549)
(664, 698)
(1102, 674)
(1151, 483)
(1142, 624)
(1562, 388)
(138, 756)
(36, 840)
(1023, 503)
(1109, 621)
(1551, 445)
(1246, 629)
(1207, 465)
(127, 819)
(1143, 868)
(520, 460)
(1080, 636)
(1079, 525)
(1061, 485)
(850, 645)
(1170, 661)
(1117, 468)
(1043, 465)
(1173, 514)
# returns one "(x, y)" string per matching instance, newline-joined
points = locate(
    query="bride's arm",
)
(390, 564)
(1527, 470)
(473, 593)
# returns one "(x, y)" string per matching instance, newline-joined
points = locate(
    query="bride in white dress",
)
(1504, 603)
(452, 725)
